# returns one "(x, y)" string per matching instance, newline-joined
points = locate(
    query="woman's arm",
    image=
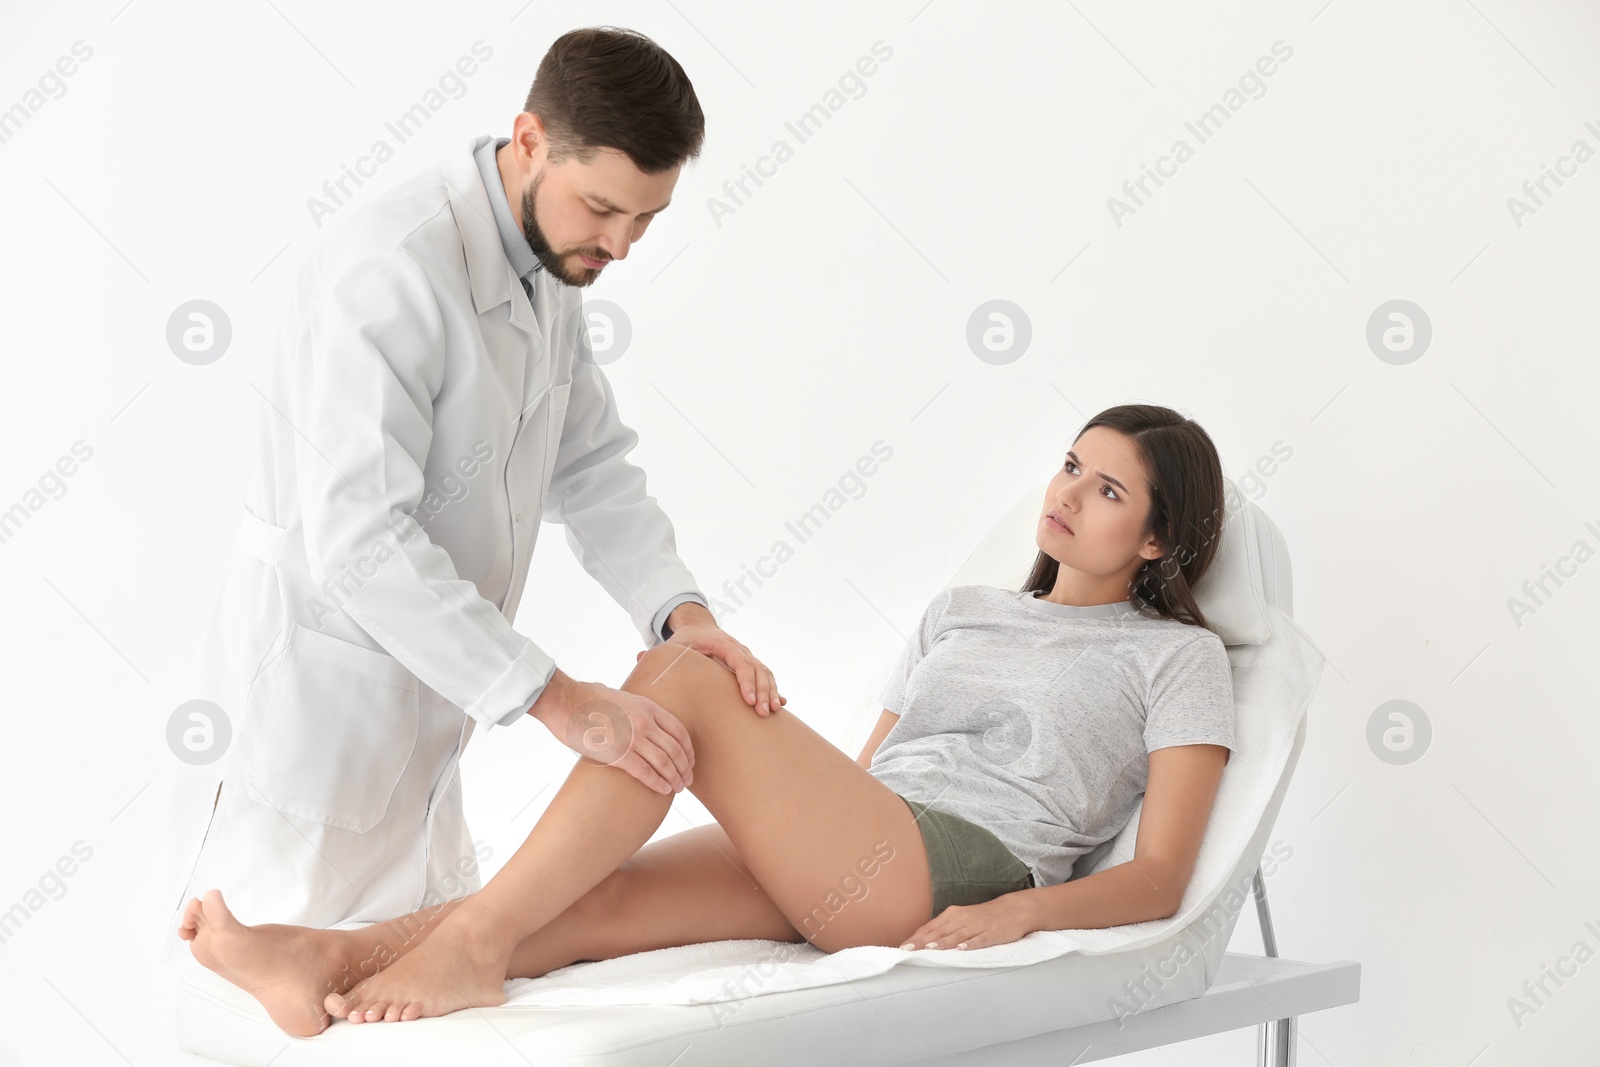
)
(886, 723)
(1182, 784)
(1181, 787)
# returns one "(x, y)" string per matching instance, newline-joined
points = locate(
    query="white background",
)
(828, 312)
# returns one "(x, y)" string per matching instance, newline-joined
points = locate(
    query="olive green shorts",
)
(966, 863)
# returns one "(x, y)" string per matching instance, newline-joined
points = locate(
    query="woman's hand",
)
(996, 922)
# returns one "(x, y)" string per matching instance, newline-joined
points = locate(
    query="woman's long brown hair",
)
(1186, 510)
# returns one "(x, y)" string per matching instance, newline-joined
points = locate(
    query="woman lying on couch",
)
(1019, 731)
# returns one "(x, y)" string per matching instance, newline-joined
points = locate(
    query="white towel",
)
(1272, 684)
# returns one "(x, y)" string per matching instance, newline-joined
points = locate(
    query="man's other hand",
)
(618, 729)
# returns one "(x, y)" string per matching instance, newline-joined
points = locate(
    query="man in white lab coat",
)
(432, 396)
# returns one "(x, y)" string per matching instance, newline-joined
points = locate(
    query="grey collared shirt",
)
(520, 255)
(518, 251)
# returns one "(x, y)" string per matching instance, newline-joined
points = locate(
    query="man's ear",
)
(529, 129)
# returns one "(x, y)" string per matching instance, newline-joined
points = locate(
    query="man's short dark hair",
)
(607, 87)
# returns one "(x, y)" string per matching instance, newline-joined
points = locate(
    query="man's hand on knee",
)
(629, 731)
(694, 627)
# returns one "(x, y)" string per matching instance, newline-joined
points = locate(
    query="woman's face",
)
(1100, 493)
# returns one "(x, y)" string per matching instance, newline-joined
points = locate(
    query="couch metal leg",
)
(1275, 1046)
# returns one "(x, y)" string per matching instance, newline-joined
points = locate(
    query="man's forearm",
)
(689, 613)
(554, 699)
(1113, 897)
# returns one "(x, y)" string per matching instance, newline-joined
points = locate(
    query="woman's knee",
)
(669, 671)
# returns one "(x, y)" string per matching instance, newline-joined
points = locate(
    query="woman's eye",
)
(1069, 465)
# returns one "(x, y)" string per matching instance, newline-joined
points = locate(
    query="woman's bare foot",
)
(286, 968)
(457, 967)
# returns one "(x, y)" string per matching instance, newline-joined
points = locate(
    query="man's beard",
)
(547, 257)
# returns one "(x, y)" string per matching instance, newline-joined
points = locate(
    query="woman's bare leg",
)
(685, 889)
(834, 848)
(681, 890)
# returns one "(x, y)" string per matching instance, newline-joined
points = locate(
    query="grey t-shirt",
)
(1035, 719)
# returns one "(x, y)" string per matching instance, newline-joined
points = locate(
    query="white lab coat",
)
(354, 649)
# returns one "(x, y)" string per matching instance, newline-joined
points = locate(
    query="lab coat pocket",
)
(555, 419)
(339, 730)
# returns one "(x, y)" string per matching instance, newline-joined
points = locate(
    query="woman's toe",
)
(356, 1000)
(412, 1011)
